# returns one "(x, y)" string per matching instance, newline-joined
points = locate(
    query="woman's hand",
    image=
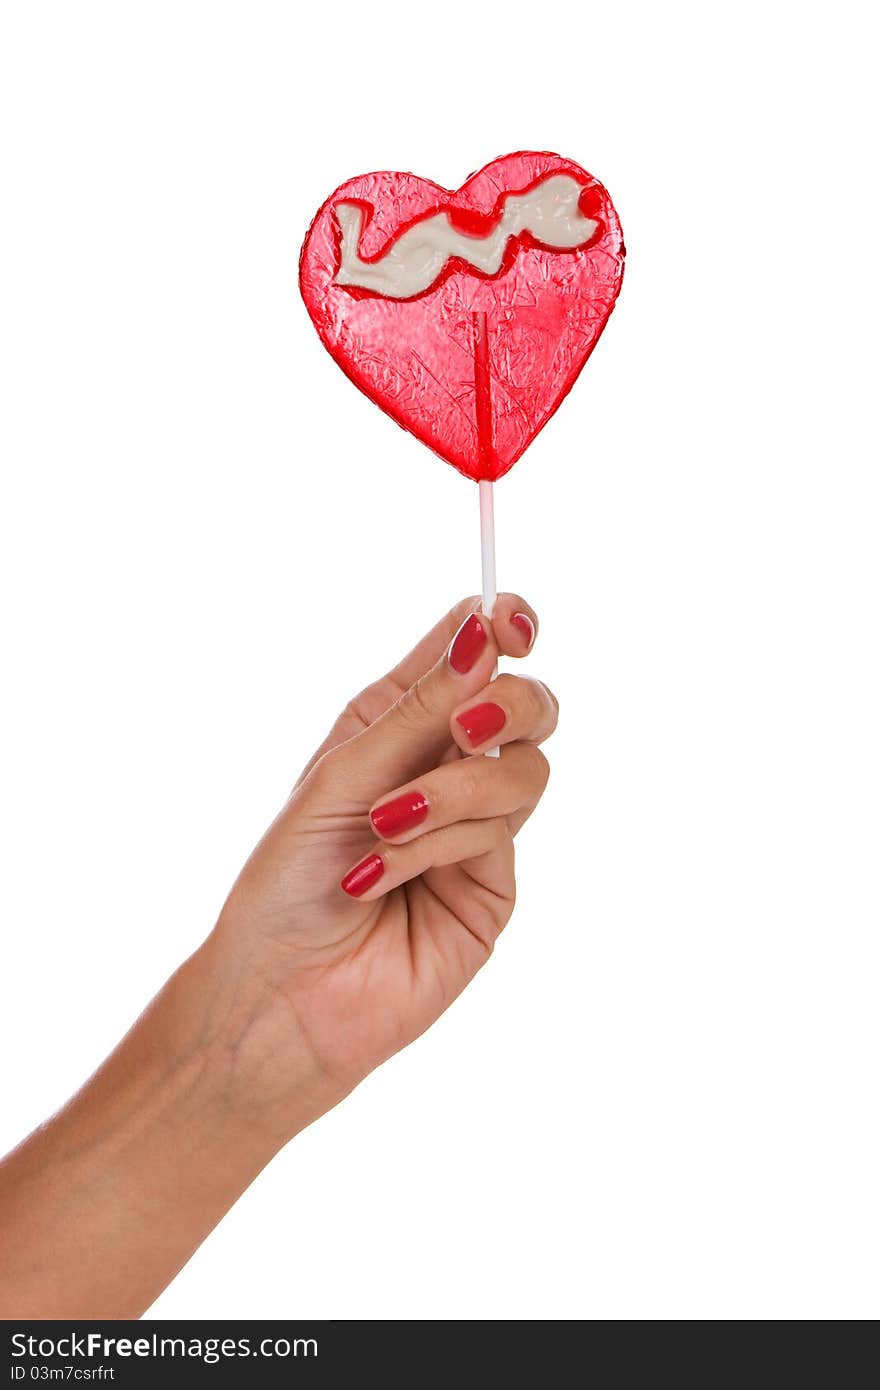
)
(381, 888)
(369, 904)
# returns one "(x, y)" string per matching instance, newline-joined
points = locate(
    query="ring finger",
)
(467, 789)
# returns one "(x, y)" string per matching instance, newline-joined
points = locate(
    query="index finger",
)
(514, 624)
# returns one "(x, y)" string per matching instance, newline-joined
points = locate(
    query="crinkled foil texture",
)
(415, 358)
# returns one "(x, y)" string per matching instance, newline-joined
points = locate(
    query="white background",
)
(659, 1100)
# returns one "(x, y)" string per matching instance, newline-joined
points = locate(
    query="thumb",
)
(413, 734)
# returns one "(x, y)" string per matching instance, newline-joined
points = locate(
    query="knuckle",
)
(552, 704)
(499, 832)
(467, 784)
(415, 707)
(442, 845)
(531, 700)
(355, 712)
(538, 767)
(528, 700)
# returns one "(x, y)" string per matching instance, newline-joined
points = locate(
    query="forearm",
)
(102, 1205)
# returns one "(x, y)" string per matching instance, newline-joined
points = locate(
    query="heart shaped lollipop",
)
(466, 316)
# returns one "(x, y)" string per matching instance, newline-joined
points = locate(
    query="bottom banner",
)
(275, 1353)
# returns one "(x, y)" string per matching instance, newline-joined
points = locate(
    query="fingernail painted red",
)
(363, 875)
(467, 645)
(482, 722)
(523, 623)
(394, 817)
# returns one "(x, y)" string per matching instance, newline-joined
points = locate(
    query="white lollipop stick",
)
(483, 400)
(487, 546)
(487, 553)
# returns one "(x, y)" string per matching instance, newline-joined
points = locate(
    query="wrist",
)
(256, 1060)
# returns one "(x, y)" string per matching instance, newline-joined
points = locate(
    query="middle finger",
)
(504, 711)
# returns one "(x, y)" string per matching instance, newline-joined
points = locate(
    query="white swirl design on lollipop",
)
(412, 262)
